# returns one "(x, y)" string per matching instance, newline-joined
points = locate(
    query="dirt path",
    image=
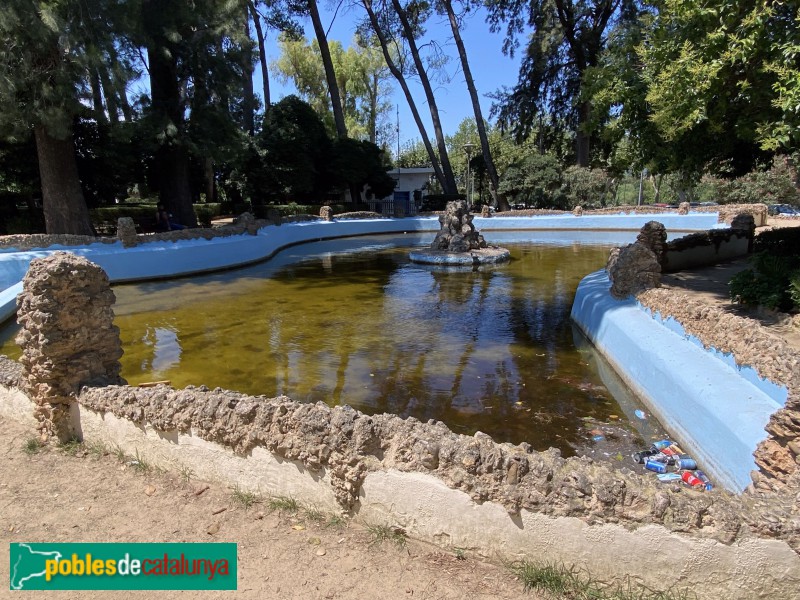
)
(710, 286)
(84, 496)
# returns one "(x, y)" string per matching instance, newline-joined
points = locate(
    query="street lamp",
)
(468, 148)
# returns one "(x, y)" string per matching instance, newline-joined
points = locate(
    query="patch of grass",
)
(97, 450)
(283, 503)
(72, 446)
(32, 446)
(461, 553)
(387, 533)
(139, 464)
(186, 474)
(244, 498)
(119, 454)
(322, 518)
(337, 521)
(314, 515)
(560, 581)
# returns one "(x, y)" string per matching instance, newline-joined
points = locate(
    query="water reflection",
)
(166, 350)
(489, 350)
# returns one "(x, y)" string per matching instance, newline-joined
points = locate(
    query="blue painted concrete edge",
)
(777, 392)
(155, 260)
(717, 415)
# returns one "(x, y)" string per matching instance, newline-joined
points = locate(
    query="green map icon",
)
(27, 570)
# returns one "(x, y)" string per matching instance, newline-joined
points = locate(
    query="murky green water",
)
(491, 350)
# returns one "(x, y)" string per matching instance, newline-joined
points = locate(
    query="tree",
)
(363, 165)
(330, 71)
(534, 180)
(455, 26)
(361, 75)
(567, 38)
(45, 65)
(723, 74)
(275, 15)
(411, 17)
(166, 26)
(292, 156)
(379, 28)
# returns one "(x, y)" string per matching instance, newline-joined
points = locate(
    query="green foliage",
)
(794, 289)
(768, 283)
(585, 187)
(244, 498)
(362, 164)
(32, 446)
(412, 155)
(206, 212)
(361, 74)
(283, 504)
(290, 157)
(387, 533)
(772, 186)
(535, 181)
(780, 242)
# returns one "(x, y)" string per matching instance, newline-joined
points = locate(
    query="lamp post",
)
(468, 148)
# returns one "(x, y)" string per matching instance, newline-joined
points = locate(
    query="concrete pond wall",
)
(499, 500)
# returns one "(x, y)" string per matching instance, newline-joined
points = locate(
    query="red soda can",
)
(689, 478)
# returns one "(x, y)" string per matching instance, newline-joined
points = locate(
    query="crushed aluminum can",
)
(642, 456)
(685, 462)
(654, 465)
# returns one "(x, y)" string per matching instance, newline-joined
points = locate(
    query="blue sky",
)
(490, 68)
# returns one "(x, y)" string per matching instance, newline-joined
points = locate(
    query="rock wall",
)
(349, 444)
(778, 456)
(632, 269)
(457, 233)
(41, 240)
(68, 337)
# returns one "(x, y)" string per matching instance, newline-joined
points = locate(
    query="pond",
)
(354, 322)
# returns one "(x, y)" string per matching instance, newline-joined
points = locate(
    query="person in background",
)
(165, 222)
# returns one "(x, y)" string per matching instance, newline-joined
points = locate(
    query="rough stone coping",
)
(348, 444)
(362, 214)
(482, 256)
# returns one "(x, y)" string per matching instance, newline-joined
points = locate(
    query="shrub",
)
(582, 186)
(775, 185)
(774, 280)
(534, 181)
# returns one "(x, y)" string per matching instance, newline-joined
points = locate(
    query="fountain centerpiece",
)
(458, 242)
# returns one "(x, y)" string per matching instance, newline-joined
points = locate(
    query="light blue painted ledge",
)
(716, 410)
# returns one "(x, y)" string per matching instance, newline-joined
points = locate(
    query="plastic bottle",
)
(690, 478)
(706, 481)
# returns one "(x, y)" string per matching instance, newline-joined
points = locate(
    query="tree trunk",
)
(249, 98)
(491, 171)
(330, 72)
(374, 90)
(450, 181)
(65, 209)
(97, 98)
(582, 137)
(262, 55)
(211, 182)
(398, 75)
(172, 157)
